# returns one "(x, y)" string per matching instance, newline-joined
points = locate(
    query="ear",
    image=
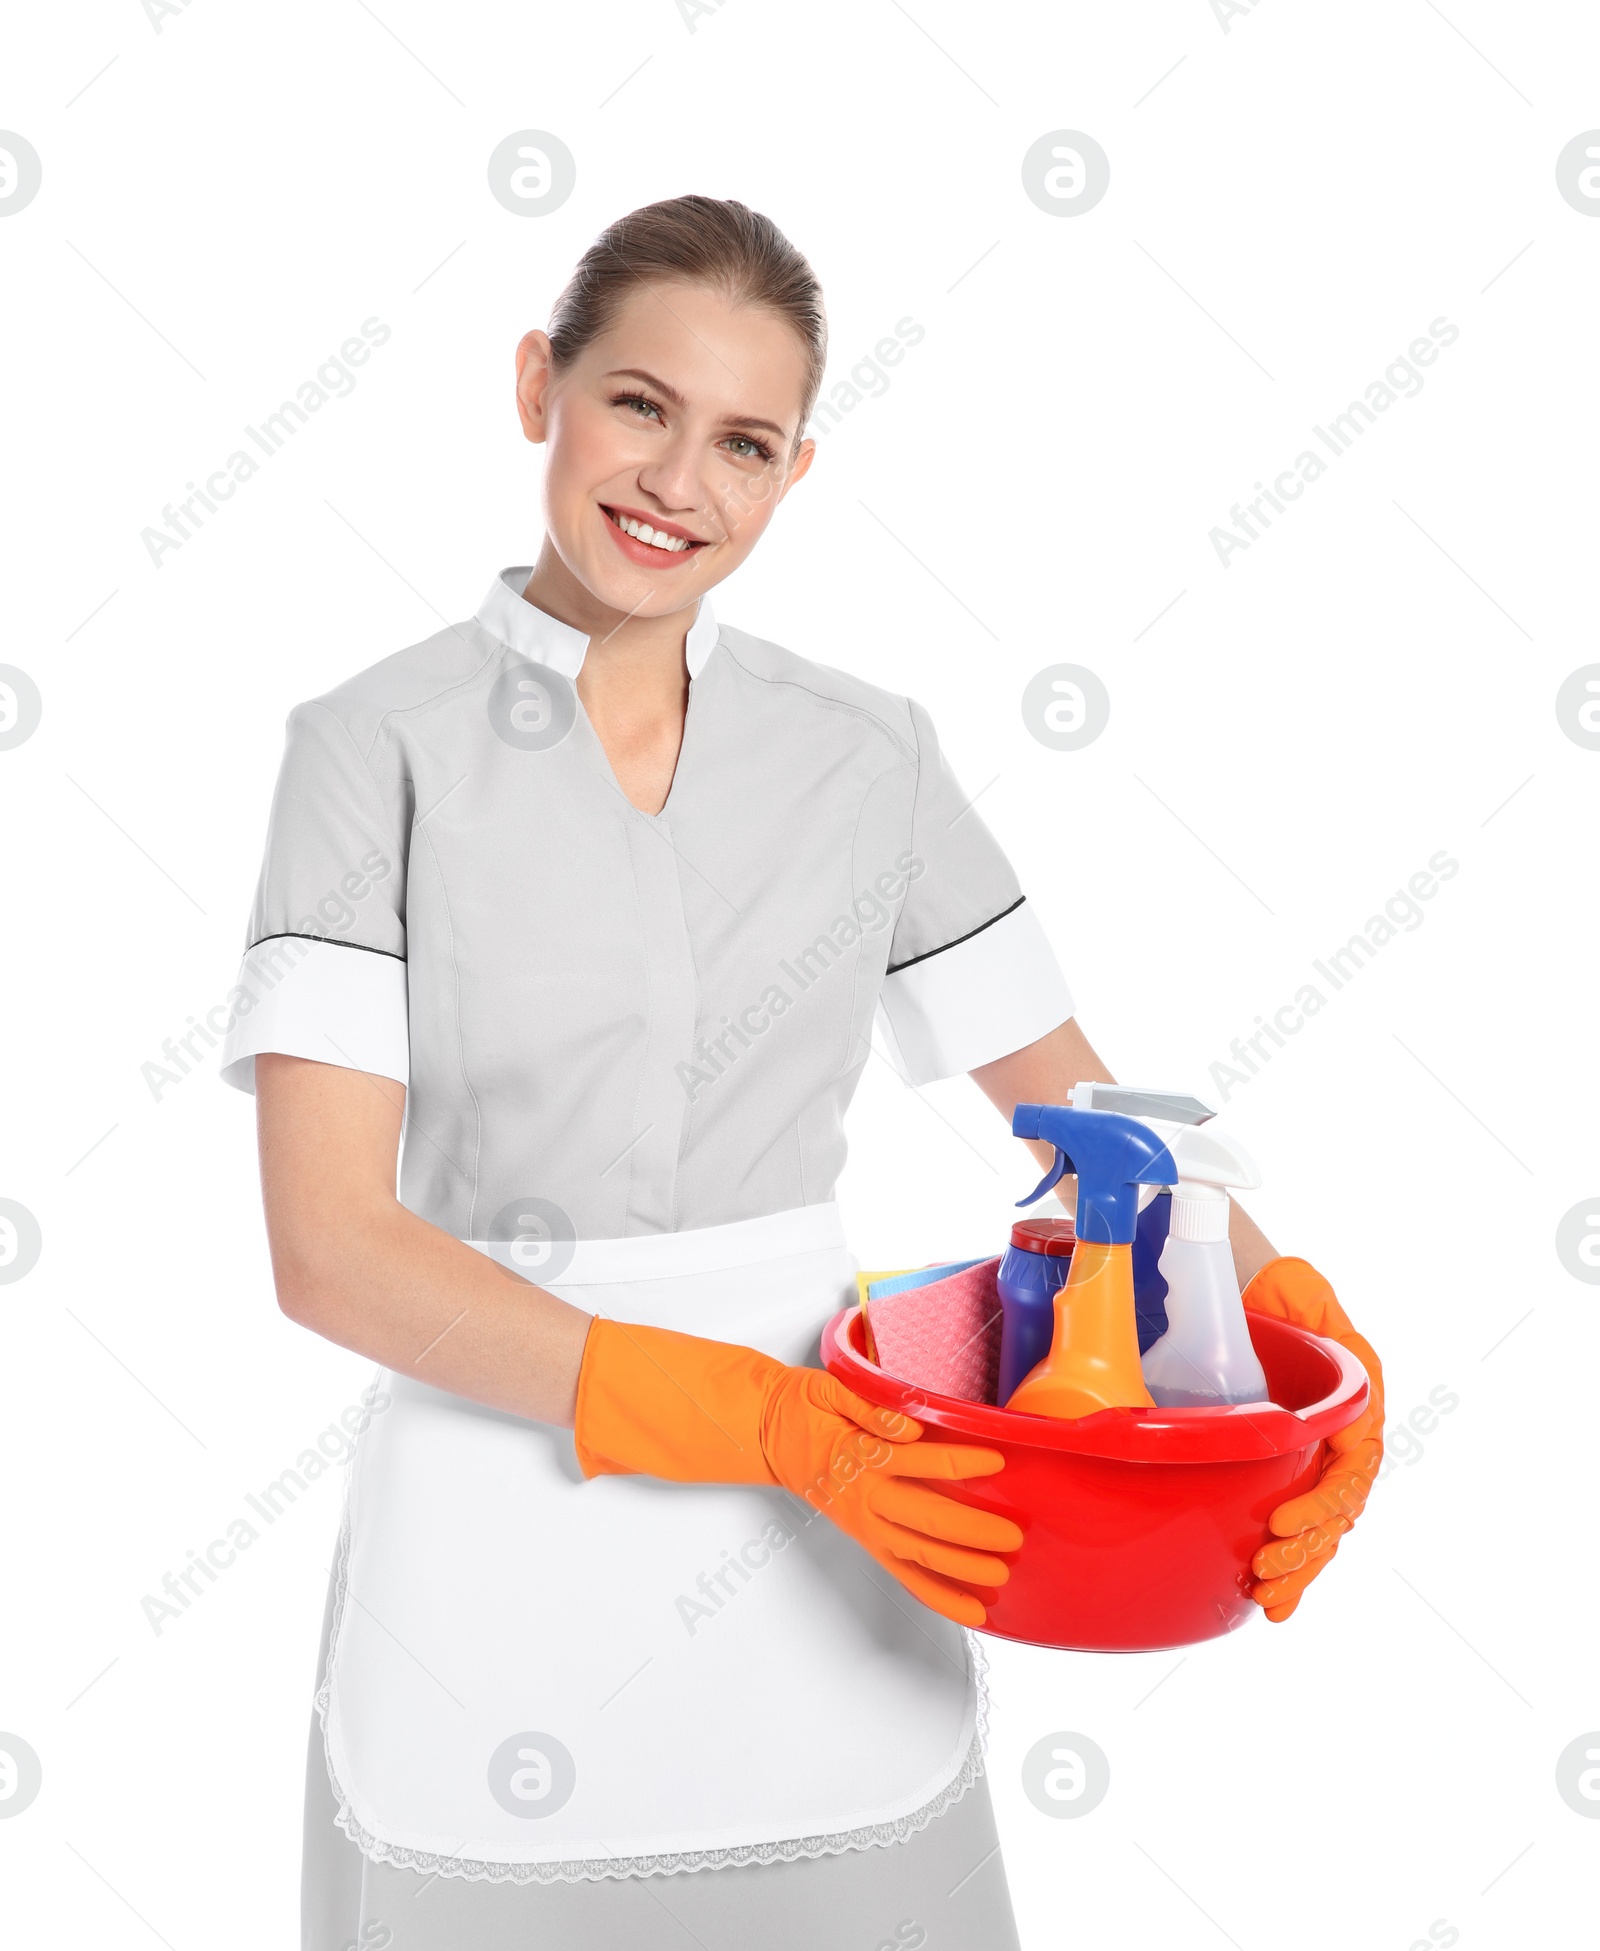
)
(533, 382)
(801, 467)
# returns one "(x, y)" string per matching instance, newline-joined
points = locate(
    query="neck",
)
(634, 685)
(644, 649)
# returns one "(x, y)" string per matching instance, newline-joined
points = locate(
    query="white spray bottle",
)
(1205, 1358)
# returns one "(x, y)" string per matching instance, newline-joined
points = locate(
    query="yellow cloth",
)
(863, 1282)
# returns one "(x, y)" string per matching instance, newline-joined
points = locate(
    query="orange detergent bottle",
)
(1093, 1361)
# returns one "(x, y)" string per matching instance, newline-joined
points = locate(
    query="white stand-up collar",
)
(535, 633)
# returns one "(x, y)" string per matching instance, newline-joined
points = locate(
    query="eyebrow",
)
(677, 399)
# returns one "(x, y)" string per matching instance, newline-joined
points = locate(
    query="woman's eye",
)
(747, 449)
(632, 400)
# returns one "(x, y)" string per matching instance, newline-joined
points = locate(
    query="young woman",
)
(597, 900)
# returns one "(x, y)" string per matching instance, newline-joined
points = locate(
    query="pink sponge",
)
(946, 1336)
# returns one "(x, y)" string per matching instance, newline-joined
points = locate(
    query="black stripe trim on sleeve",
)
(895, 968)
(298, 935)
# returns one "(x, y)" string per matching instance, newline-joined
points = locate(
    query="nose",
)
(672, 477)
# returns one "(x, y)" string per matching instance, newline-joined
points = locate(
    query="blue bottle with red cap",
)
(1032, 1270)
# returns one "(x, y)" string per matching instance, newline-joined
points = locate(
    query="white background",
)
(1373, 680)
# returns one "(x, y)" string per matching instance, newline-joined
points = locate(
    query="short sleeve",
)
(324, 970)
(971, 974)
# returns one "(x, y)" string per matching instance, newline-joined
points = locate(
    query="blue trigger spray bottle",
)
(1167, 1113)
(1093, 1359)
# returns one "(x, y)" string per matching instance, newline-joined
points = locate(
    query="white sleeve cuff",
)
(330, 1001)
(997, 991)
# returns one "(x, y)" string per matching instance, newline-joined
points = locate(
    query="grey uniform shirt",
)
(652, 1023)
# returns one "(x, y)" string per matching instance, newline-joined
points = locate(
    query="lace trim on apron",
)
(593, 1869)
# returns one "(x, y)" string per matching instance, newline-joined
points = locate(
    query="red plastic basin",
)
(1139, 1524)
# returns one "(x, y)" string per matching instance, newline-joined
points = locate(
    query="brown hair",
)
(696, 240)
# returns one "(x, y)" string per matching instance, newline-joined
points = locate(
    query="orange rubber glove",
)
(1307, 1529)
(712, 1412)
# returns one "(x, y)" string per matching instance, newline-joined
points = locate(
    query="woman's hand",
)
(866, 1469)
(1307, 1529)
(697, 1411)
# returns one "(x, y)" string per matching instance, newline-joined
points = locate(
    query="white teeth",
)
(643, 532)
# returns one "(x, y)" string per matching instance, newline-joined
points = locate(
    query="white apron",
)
(537, 1677)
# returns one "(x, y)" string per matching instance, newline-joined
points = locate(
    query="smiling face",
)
(671, 438)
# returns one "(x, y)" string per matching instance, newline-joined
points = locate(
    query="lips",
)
(648, 540)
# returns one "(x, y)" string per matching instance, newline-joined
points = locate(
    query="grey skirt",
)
(945, 1886)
